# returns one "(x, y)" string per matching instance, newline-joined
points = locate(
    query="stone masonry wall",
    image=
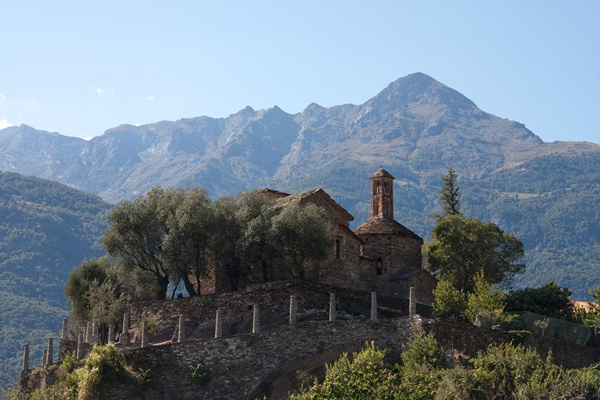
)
(247, 366)
(239, 365)
(398, 253)
(273, 295)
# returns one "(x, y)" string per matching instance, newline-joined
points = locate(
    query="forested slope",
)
(46, 229)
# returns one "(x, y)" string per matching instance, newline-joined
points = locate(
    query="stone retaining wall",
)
(273, 295)
(246, 366)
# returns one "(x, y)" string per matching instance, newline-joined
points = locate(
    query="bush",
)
(104, 365)
(366, 376)
(200, 375)
(450, 303)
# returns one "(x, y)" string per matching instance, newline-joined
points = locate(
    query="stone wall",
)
(251, 365)
(398, 253)
(247, 366)
(273, 295)
(468, 339)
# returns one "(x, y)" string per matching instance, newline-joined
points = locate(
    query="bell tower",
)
(382, 194)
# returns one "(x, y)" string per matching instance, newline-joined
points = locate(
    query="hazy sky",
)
(82, 67)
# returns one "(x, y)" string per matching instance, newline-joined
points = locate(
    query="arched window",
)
(379, 269)
(385, 187)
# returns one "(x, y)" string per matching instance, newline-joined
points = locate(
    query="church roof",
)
(382, 173)
(307, 195)
(274, 193)
(385, 226)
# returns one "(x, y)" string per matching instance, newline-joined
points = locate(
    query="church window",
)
(338, 245)
(379, 270)
(385, 187)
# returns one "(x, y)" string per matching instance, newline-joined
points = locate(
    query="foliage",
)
(549, 299)
(96, 289)
(366, 376)
(450, 303)
(104, 365)
(178, 234)
(69, 362)
(46, 229)
(136, 231)
(153, 325)
(503, 372)
(591, 316)
(449, 196)
(486, 305)
(462, 246)
(303, 237)
(188, 237)
(200, 375)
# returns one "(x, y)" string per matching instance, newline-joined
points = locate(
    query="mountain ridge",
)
(418, 120)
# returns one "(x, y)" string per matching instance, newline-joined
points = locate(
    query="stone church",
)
(380, 255)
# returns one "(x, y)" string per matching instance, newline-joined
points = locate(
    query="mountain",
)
(416, 125)
(415, 128)
(46, 229)
(548, 194)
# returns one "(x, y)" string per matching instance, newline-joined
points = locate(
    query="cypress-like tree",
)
(449, 196)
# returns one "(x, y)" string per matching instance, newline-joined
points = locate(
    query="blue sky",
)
(80, 68)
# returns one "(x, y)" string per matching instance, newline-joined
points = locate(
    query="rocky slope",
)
(416, 126)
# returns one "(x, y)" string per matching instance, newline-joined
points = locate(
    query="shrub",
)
(366, 375)
(199, 374)
(450, 303)
(104, 365)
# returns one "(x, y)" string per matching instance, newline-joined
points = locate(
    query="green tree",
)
(450, 303)
(225, 250)
(186, 244)
(258, 243)
(485, 304)
(96, 290)
(449, 194)
(462, 246)
(303, 237)
(90, 273)
(549, 299)
(135, 236)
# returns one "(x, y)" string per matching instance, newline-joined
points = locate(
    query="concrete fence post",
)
(26, 358)
(50, 356)
(255, 319)
(412, 302)
(373, 306)
(293, 309)
(181, 330)
(144, 341)
(124, 339)
(45, 357)
(218, 325)
(111, 334)
(94, 336)
(88, 333)
(65, 329)
(332, 310)
(79, 353)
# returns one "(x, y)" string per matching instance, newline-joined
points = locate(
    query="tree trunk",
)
(189, 286)
(163, 286)
(265, 271)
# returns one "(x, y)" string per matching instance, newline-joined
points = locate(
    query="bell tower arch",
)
(382, 194)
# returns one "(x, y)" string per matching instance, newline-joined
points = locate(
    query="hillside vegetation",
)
(46, 229)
